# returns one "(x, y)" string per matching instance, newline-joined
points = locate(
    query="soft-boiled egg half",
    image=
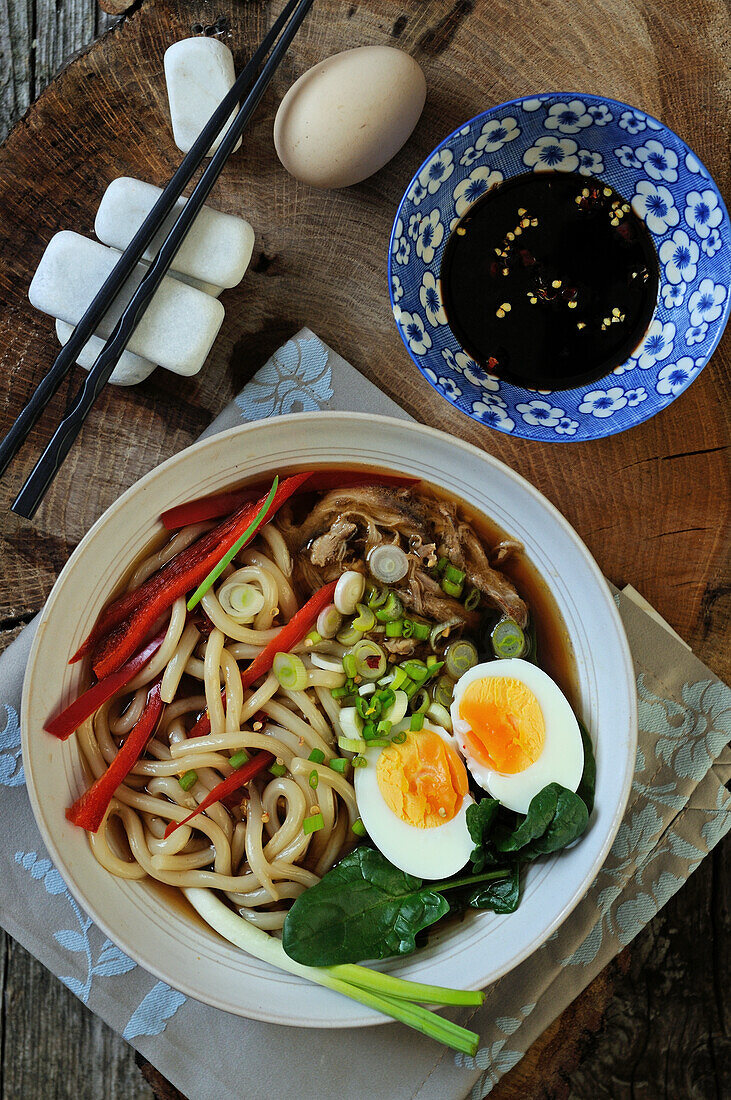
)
(412, 798)
(516, 731)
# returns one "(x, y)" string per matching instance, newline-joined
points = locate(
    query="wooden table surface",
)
(651, 504)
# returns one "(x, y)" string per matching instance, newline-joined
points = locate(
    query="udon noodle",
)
(254, 851)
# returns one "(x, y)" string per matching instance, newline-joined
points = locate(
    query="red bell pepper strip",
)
(183, 573)
(188, 568)
(64, 724)
(226, 787)
(88, 810)
(222, 504)
(288, 637)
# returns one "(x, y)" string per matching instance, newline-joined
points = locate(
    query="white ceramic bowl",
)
(180, 951)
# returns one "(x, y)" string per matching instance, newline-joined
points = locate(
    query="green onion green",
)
(238, 758)
(314, 779)
(277, 769)
(317, 756)
(452, 589)
(359, 828)
(230, 554)
(339, 764)
(313, 824)
(473, 600)
(392, 609)
(366, 620)
(417, 722)
(188, 779)
(395, 629)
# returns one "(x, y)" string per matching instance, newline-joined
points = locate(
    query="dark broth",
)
(550, 280)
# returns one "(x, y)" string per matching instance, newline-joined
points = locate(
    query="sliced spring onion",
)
(407, 627)
(359, 828)
(451, 573)
(376, 597)
(378, 743)
(443, 691)
(398, 680)
(370, 660)
(440, 716)
(359, 761)
(395, 629)
(238, 758)
(369, 731)
(329, 621)
(352, 744)
(317, 756)
(366, 619)
(420, 702)
(441, 565)
(350, 665)
(420, 630)
(339, 693)
(313, 824)
(290, 671)
(460, 657)
(313, 638)
(452, 589)
(397, 710)
(416, 723)
(314, 779)
(473, 600)
(242, 602)
(188, 779)
(277, 769)
(441, 631)
(388, 564)
(349, 635)
(351, 724)
(384, 726)
(215, 573)
(414, 669)
(399, 738)
(339, 764)
(329, 664)
(349, 592)
(508, 639)
(392, 609)
(431, 661)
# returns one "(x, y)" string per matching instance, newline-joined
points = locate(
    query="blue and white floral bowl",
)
(667, 186)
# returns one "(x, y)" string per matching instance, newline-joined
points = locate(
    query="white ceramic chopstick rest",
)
(217, 249)
(130, 369)
(176, 331)
(198, 73)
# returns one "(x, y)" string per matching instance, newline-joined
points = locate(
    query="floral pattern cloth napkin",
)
(678, 810)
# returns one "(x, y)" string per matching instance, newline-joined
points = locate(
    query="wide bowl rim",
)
(411, 427)
(606, 427)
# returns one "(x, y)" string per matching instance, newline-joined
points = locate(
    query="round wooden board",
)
(652, 504)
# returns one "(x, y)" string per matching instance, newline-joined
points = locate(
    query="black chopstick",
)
(40, 478)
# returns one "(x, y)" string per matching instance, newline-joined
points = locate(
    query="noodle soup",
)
(372, 669)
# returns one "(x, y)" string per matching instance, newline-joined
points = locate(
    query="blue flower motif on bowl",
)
(666, 185)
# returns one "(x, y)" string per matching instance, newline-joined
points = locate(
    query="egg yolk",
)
(423, 780)
(507, 729)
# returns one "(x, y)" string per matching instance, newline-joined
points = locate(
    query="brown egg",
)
(346, 117)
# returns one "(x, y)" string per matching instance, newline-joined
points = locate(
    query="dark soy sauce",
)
(550, 280)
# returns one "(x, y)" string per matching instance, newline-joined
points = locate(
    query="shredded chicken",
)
(345, 525)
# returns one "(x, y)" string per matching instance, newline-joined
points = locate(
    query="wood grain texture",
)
(652, 504)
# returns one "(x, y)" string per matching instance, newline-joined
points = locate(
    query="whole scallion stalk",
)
(385, 993)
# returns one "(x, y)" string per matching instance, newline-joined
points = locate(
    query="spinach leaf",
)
(364, 908)
(480, 820)
(501, 896)
(587, 785)
(569, 821)
(540, 814)
(555, 818)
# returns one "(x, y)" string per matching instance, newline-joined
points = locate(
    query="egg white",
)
(562, 759)
(433, 853)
